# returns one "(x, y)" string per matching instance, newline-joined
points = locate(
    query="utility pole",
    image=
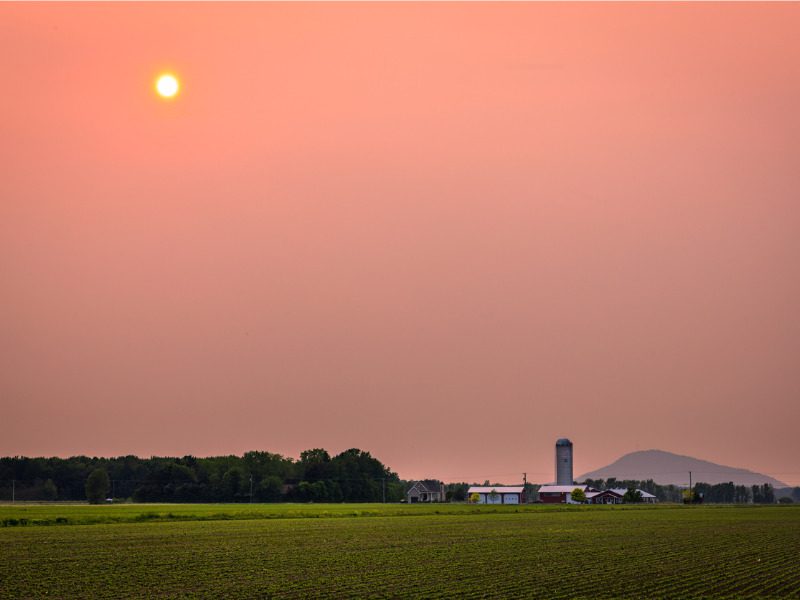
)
(383, 487)
(251, 488)
(524, 485)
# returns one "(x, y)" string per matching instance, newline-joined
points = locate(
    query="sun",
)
(167, 85)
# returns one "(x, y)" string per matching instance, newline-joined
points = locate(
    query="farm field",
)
(86, 514)
(407, 551)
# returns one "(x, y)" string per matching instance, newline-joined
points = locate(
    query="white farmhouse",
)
(646, 496)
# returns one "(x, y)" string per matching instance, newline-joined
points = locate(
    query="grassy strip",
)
(57, 515)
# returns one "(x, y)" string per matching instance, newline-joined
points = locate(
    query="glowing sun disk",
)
(167, 86)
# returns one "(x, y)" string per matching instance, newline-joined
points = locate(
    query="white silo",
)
(563, 462)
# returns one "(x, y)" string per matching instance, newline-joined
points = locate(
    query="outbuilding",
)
(647, 497)
(561, 494)
(499, 494)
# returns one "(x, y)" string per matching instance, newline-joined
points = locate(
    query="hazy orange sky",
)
(444, 233)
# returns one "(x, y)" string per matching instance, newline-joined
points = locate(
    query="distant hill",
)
(666, 467)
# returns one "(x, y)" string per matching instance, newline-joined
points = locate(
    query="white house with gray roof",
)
(647, 497)
(427, 490)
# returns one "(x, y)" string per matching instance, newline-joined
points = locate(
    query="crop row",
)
(558, 555)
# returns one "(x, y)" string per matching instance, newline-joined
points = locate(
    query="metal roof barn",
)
(499, 494)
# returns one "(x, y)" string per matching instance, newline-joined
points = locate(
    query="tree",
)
(304, 492)
(315, 455)
(360, 476)
(456, 492)
(763, 494)
(578, 496)
(97, 486)
(595, 483)
(493, 495)
(353, 476)
(315, 465)
(270, 489)
(742, 494)
(234, 483)
(632, 495)
(474, 498)
(49, 490)
(768, 493)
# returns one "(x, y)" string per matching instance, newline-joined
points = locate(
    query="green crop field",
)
(299, 551)
(85, 514)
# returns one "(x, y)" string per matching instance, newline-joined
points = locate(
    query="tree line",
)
(351, 476)
(726, 493)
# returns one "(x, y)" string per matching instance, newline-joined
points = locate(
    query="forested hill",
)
(352, 476)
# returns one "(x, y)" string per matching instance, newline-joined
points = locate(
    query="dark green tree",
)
(234, 483)
(97, 486)
(49, 490)
(741, 495)
(456, 492)
(270, 489)
(632, 495)
(315, 465)
(768, 494)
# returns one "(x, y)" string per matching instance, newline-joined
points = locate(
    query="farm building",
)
(646, 497)
(604, 497)
(561, 494)
(499, 494)
(428, 490)
(555, 494)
